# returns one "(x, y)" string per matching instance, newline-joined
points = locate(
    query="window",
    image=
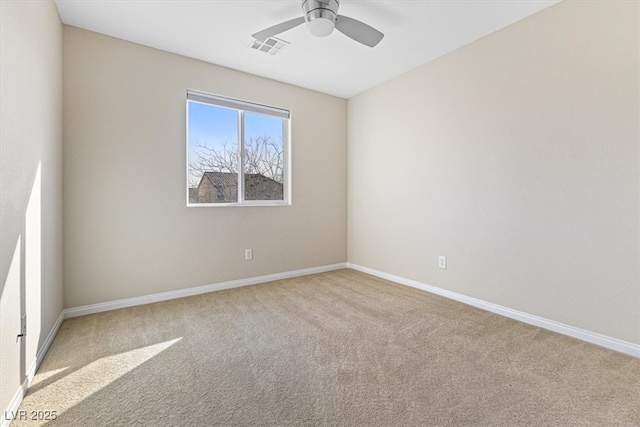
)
(237, 152)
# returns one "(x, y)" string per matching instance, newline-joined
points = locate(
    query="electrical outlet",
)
(442, 261)
(248, 254)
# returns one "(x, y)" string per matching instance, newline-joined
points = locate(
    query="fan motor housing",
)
(320, 16)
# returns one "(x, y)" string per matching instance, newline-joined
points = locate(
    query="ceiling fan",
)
(322, 17)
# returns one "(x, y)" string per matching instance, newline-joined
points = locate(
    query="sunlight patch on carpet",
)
(79, 385)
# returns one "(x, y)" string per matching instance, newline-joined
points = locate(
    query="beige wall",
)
(30, 183)
(518, 158)
(127, 230)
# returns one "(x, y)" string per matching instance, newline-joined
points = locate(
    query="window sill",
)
(237, 205)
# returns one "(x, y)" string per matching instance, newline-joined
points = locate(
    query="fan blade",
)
(358, 31)
(277, 29)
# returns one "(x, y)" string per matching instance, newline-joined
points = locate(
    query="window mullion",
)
(241, 154)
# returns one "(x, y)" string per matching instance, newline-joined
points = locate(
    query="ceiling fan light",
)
(321, 27)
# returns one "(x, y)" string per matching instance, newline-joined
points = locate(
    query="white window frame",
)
(241, 107)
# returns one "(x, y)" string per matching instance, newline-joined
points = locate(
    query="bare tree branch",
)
(261, 156)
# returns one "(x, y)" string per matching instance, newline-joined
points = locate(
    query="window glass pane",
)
(213, 154)
(264, 142)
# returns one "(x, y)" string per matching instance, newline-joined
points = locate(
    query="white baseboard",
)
(581, 334)
(35, 364)
(8, 414)
(45, 346)
(165, 296)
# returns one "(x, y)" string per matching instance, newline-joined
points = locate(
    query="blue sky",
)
(214, 126)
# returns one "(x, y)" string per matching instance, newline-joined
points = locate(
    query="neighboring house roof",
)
(220, 179)
(231, 178)
(257, 186)
(255, 179)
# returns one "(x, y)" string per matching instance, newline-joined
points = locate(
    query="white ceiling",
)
(220, 32)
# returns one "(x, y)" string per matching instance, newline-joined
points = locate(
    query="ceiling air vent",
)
(271, 45)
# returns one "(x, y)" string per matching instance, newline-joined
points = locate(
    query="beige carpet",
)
(334, 349)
